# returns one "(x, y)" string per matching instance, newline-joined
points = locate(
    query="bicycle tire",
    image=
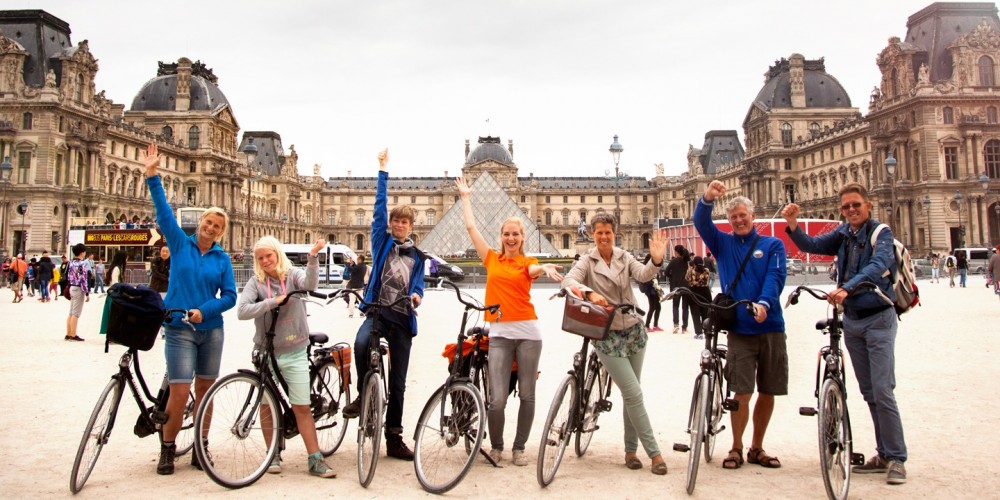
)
(834, 440)
(441, 456)
(328, 393)
(370, 429)
(715, 412)
(95, 434)
(697, 424)
(244, 434)
(557, 430)
(184, 441)
(591, 409)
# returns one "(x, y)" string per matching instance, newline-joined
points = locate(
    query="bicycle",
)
(836, 451)
(152, 413)
(577, 404)
(452, 424)
(373, 402)
(250, 414)
(708, 404)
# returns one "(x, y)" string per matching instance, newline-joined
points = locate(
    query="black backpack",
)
(134, 317)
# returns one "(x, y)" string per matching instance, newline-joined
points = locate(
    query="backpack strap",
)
(739, 273)
(878, 229)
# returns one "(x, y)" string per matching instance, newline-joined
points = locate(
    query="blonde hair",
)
(520, 225)
(219, 212)
(270, 243)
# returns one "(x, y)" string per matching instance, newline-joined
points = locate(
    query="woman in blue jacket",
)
(201, 282)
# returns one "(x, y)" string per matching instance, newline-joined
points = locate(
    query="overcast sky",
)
(341, 80)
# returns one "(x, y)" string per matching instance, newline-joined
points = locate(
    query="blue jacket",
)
(195, 278)
(763, 278)
(868, 264)
(382, 244)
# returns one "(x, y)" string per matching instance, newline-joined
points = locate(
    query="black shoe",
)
(167, 455)
(194, 458)
(396, 448)
(353, 409)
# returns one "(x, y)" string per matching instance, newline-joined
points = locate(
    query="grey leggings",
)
(626, 372)
(501, 356)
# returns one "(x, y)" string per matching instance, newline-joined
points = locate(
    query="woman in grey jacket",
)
(604, 276)
(274, 277)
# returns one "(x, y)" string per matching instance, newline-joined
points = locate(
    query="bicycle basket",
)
(135, 316)
(586, 319)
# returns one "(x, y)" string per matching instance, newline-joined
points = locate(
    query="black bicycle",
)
(452, 424)
(836, 451)
(708, 400)
(152, 413)
(246, 415)
(580, 399)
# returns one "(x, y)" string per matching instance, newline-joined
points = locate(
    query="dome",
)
(822, 90)
(489, 149)
(159, 93)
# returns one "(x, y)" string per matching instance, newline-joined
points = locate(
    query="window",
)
(524, 198)
(167, 132)
(565, 241)
(583, 199)
(192, 195)
(413, 199)
(308, 195)
(786, 134)
(986, 71)
(600, 199)
(645, 199)
(359, 218)
(79, 88)
(124, 150)
(361, 200)
(814, 129)
(645, 216)
(951, 162)
(548, 199)
(583, 214)
(26, 121)
(948, 114)
(991, 114)
(843, 151)
(307, 218)
(991, 157)
(674, 213)
(135, 153)
(673, 194)
(193, 167)
(854, 147)
(61, 127)
(788, 163)
(23, 166)
(80, 167)
(565, 218)
(274, 188)
(331, 218)
(565, 199)
(548, 218)
(431, 216)
(359, 242)
(59, 169)
(193, 136)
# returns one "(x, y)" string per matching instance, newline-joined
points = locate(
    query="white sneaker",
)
(275, 467)
(496, 455)
(519, 459)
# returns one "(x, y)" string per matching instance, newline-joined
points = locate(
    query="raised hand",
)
(791, 215)
(152, 160)
(552, 271)
(383, 158)
(320, 244)
(715, 190)
(464, 190)
(658, 246)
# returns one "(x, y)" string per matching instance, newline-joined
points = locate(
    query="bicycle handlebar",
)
(625, 308)
(312, 293)
(793, 298)
(687, 292)
(493, 309)
(185, 316)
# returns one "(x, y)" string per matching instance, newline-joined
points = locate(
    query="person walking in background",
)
(160, 271)
(962, 264)
(713, 271)
(757, 350)
(935, 268)
(676, 271)
(950, 263)
(116, 271)
(358, 281)
(77, 291)
(993, 269)
(99, 269)
(32, 276)
(45, 275)
(19, 267)
(509, 274)
(604, 276)
(54, 284)
(89, 264)
(698, 277)
(63, 274)
(649, 289)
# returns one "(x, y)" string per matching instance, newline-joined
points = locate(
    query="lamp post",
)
(250, 150)
(5, 170)
(538, 228)
(961, 227)
(930, 231)
(890, 167)
(23, 209)
(616, 154)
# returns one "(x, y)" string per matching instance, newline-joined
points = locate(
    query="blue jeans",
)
(45, 289)
(189, 353)
(962, 273)
(399, 361)
(99, 284)
(871, 342)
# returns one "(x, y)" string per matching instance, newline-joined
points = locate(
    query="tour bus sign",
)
(121, 237)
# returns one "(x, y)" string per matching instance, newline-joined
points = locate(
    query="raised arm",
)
(465, 192)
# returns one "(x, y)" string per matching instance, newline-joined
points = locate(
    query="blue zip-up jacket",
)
(382, 244)
(195, 278)
(864, 264)
(763, 278)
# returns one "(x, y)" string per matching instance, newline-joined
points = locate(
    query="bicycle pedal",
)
(857, 458)
(682, 447)
(158, 417)
(603, 405)
(807, 411)
(731, 405)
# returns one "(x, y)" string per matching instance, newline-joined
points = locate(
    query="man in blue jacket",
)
(757, 351)
(397, 269)
(869, 322)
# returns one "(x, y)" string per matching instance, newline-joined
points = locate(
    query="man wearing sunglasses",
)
(869, 323)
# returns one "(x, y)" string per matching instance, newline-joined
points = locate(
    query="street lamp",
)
(890, 167)
(616, 154)
(250, 150)
(5, 170)
(930, 231)
(961, 227)
(538, 228)
(23, 209)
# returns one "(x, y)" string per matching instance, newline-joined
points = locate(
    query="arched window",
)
(167, 132)
(359, 242)
(948, 114)
(193, 136)
(786, 134)
(814, 128)
(986, 78)
(991, 157)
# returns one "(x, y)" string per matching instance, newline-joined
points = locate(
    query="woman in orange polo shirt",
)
(509, 274)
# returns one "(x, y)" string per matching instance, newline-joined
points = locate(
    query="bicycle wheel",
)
(328, 399)
(714, 415)
(96, 434)
(592, 395)
(697, 424)
(245, 419)
(370, 429)
(185, 436)
(441, 458)
(834, 440)
(557, 430)
(481, 381)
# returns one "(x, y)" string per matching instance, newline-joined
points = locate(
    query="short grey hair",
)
(737, 201)
(603, 218)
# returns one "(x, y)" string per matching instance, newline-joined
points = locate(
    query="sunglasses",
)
(848, 206)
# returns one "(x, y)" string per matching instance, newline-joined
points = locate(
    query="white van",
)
(332, 260)
(978, 258)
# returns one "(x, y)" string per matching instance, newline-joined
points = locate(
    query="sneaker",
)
(318, 467)
(699, 336)
(275, 466)
(519, 459)
(677, 329)
(194, 458)
(897, 473)
(875, 465)
(396, 448)
(353, 409)
(167, 455)
(496, 455)
(684, 331)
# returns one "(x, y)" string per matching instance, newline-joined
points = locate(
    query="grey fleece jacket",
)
(292, 331)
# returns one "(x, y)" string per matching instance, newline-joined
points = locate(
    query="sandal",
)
(632, 462)
(760, 457)
(734, 460)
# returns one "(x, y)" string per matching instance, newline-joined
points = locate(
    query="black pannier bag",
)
(135, 316)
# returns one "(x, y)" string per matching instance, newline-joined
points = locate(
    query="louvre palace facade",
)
(76, 153)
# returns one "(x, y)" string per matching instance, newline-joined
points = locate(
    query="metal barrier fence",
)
(141, 276)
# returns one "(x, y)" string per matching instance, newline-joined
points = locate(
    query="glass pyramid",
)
(490, 207)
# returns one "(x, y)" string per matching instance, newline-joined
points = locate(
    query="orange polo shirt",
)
(19, 266)
(508, 284)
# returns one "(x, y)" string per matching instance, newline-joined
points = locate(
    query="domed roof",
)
(489, 149)
(159, 93)
(822, 90)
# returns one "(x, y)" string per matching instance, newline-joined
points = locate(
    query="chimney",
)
(510, 147)
(183, 100)
(466, 148)
(796, 75)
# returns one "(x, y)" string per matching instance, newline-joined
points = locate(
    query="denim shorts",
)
(294, 368)
(191, 353)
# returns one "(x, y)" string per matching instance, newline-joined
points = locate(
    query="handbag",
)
(586, 319)
(724, 314)
(65, 291)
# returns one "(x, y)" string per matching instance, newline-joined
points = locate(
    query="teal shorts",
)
(294, 368)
